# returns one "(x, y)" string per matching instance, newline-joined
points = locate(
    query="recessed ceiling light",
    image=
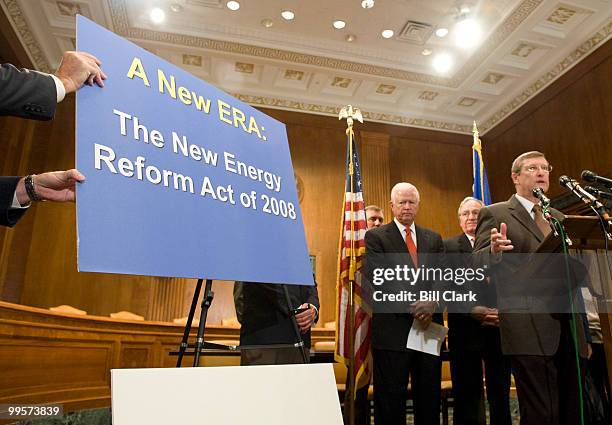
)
(467, 33)
(287, 15)
(233, 5)
(339, 24)
(176, 8)
(267, 22)
(426, 52)
(387, 33)
(350, 38)
(442, 32)
(367, 4)
(157, 15)
(442, 62)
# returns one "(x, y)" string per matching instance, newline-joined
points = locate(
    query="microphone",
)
(591, 177)
(585, 196)
(539, 193)
(599, 193)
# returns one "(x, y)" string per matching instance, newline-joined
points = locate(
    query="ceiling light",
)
(464, 9)
(287, 15)
(339, 24)
(442, 62)
(157, 15)
(387, 33)
(176, 8)
(441, 32)
(233, 5)
(426, 52)
(267, 22)
(367, 4)
(467, 33)
(350, 38)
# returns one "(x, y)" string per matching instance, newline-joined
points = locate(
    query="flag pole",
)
(350, 114)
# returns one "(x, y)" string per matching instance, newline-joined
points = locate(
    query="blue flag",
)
(481, 183)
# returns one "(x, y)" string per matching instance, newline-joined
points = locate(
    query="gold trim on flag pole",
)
(351, 114)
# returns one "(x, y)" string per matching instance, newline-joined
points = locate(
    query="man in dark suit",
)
(30, 94)
(540, 344)
(262, 310)
(474, 338)
(57, 186)
(402, 243)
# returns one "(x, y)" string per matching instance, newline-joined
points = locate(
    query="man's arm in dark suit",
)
(9, 216)
(26, 94)
(312, 297)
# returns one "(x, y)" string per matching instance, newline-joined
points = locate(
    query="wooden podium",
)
(586, 235)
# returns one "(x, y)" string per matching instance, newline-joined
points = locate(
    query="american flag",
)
(350, 262)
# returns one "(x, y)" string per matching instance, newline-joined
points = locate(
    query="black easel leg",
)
(298, 335)
(206, 302)
(185, 341)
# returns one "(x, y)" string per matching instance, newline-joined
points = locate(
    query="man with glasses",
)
(539, 343)
(474, 338)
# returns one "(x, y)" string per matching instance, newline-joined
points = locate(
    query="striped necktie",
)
(540, 220)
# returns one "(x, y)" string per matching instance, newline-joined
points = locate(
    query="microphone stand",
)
(552, 222)
(590, 200)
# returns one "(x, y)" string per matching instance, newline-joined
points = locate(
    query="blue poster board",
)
(183, 180)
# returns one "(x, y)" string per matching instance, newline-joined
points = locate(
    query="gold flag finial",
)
(350, 113)
(475, 133)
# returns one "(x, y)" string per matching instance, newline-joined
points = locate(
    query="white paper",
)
(426, 340)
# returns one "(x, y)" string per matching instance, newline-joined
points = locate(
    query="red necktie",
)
(411, 247)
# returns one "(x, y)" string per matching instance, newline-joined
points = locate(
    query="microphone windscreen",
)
(588, 176)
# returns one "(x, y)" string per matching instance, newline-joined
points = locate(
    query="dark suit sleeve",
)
(26, 94)
(374, 256)
(440, 251)
(312, 297)
(482, 245)
(8, 216)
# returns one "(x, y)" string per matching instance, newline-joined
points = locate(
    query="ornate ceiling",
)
(308, 66)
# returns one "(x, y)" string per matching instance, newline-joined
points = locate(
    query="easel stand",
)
(206, 302)
(200, 344)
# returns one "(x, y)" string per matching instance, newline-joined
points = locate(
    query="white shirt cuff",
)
(60, 89)
(315, 309)
(16, 205)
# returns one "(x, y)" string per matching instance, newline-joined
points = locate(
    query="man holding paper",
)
(403, 245)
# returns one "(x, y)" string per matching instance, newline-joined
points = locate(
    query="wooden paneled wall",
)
(38, 260)
(439, 164)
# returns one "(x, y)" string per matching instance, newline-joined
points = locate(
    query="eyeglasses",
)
(534, 168)
(469, 213)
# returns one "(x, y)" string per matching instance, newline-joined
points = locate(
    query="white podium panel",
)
(266, 395)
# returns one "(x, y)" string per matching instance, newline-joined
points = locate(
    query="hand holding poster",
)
(183, 180)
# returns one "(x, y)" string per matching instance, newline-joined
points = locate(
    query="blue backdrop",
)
(183, 180)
